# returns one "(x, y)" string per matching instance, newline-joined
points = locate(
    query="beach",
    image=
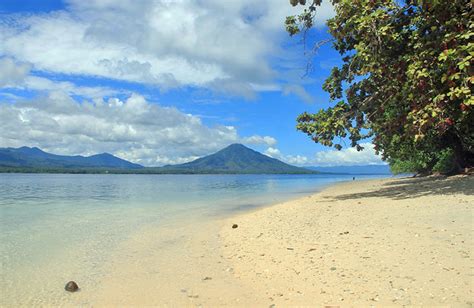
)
(405, 241)
(386, 242)
(129, 239)
(382, 242)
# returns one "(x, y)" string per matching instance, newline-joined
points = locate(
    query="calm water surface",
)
(55, 225)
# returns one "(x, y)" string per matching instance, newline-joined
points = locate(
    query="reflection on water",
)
(55, 226)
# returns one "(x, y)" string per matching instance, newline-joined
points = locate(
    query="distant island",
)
(355, 170)
(26, 157)
(234, 159)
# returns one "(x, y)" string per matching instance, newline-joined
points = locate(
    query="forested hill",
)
(234, 159)
(237, 158)
(26, 157)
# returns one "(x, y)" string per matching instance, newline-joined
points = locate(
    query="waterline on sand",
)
(57, 228)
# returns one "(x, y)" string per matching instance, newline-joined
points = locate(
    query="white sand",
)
(379, 242)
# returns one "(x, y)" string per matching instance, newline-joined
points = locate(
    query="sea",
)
(57, 226)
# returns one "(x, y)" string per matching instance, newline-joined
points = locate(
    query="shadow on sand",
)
(406, 188)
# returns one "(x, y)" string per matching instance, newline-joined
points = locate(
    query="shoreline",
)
(391, 241)
(402, 241)
(180, 263)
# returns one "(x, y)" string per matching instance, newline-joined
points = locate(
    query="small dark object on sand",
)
(71, 286)
(234, 226)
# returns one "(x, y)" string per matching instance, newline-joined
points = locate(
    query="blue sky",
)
(160, 82)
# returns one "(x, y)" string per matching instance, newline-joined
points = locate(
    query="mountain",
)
(367, 169)
(26, 157)
(235, 158)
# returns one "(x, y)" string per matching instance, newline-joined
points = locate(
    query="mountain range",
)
(26, 157)
(235, 158)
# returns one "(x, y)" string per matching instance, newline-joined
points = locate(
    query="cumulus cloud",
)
(296, 160)
(256, 140)
(44, 84)
(345, 157)
(273, 152)
(134, 129)
(221, 45)
(348, 157)
(12, 74)
(17, 75)
(290, 159)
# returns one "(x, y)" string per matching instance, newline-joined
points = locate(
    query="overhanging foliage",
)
(406, 81)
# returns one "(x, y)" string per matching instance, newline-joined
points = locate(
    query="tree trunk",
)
(463, 158)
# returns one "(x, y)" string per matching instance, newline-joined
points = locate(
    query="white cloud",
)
(17, 75)
(344, 157)
(134, 129)
(44, 84)
(290, 159)
(296, 160)
(348, 157)
(298, 91)
(12, 73)
(221, 45)
(273, 152)
(256, 140)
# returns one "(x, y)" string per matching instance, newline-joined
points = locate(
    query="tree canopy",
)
(406, 81)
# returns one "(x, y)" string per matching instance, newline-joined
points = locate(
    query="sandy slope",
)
(379, 242)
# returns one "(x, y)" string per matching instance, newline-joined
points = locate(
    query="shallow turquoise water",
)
(55, 225)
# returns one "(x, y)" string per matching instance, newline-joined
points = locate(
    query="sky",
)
(163, 82)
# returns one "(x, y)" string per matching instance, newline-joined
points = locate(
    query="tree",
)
(406, 81)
